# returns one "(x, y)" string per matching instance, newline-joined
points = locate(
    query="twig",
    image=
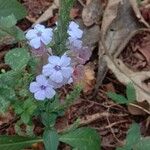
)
(139, 107)
(120, 142)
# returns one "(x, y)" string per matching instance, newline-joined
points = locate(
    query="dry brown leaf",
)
(91, 36)
(48, 13)
(92, 12)
(89, 78)
(117, 23)
(138, 13)
(110, 14)
(139, 110)
(125, 75)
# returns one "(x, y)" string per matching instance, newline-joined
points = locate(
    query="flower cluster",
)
(59, 70)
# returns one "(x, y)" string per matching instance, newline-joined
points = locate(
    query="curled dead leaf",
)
(125, 75)
(139, 108)
(137, 12)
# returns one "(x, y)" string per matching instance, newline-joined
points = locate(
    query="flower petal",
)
(47, 36)
(56, 77)
(48, 69)
(65, 61)
(40, 95)
(73, 25)
(35, 43)
(31, 34)
(39, 27)
(34, 87)
(49, 92)
(54, 60)
(67, 72)
(75, 42)
(41, 79)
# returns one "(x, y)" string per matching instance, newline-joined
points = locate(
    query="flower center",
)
(39, 33)
(43, 87)
(57, 68)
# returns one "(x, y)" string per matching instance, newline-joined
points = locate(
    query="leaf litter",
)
(121, 59)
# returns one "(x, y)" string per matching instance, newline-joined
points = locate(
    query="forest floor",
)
(125, 29)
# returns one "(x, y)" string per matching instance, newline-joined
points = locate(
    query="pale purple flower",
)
(58, 85)
(58, 69)
(38, 35)
(79, 55)
(75, 43)
(41, 88)
(75, 34)
(74, 30)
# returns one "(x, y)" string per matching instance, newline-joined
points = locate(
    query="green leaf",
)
(8, 22)
(8, 31)
(131, 93)
(117, 98)
(143, 144)
(51, 139)
(133, 135)
(10, 78)
(25, 117)
(49, 120)
(17, 58)
(16, 142)
(82, 139)
(8, 7)
(6, 95)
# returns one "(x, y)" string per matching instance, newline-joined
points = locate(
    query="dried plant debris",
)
(112, 121)
(125, 76)
(36, 7)
(136, 54)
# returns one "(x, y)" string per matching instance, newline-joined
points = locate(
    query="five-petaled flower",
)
(58, 69)
(75, 34)
(41, 88)
(39, 35)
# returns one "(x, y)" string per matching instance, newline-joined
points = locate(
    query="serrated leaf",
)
(17, 58)
(8, 22)
(117, 98)
(131, 93)
(10, 78)
(143, 144)
(6, 95)
(16, 142)
(51, 140)
(8, 7)
(82, 139)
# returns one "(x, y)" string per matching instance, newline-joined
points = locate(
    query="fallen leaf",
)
(137, 111)
(137, 12)
(92, 12)
(125, 75)
(48, 13)
(89, 78)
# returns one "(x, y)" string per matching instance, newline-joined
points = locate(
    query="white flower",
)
(75, 43)
(38, 35)
(74, 30)
(41, 88)
(74, 35)
(58, 69)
